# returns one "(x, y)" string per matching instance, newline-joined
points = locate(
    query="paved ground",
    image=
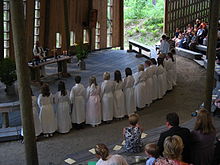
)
(184, 99)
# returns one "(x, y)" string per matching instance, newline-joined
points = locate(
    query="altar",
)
(61, 66)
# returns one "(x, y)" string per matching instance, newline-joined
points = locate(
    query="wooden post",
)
(30, 28)
(165, 21)
(5, 120)
(1, 31)
(18, 28)
(212, 41)
(90, 27)
(121, 24)
(66, 24)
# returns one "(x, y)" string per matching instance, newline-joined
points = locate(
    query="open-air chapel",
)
(74, 89)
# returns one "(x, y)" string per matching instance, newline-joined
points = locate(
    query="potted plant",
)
(8, 75)
(81, 53)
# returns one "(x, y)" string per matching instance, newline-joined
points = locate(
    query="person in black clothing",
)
(172, 122)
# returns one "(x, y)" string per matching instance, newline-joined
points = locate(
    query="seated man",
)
(39, 54)
(172, 122)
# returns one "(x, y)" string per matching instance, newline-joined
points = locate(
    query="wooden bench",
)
(204, 49)
(10, 133)
(141, 47)
(189, 54)
(5, 108)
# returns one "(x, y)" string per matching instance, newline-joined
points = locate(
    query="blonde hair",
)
(106, 75)
(173, 147)
(133, 119)
(152, 149)
(102, 151)
(204, 122)
(140, 67)
(92, 80)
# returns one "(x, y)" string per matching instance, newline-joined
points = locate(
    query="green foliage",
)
(143, 20)
(7, 71)
(81, 51)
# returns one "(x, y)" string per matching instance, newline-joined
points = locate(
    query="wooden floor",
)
(97, 63)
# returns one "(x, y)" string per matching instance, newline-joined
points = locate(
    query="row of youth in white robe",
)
(111, 100)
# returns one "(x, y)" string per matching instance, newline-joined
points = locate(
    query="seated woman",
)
(173, 148)
(102, 153)
(132, 135)
(203, 139)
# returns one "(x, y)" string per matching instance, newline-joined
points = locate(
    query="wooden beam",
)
(165, 21)
(47, 23)
(212, 42)
(66, 24)
(1, 31)
(121, 26)
(30, 28)
(18, 28)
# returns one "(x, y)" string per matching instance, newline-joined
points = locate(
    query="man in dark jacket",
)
(172, 122)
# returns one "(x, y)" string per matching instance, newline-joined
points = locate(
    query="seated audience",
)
(173, 148)
(102, 153)
(132, 135)
(172, 122)
(151, 150)
(203, 138)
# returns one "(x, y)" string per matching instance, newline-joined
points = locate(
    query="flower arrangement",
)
(81, 51)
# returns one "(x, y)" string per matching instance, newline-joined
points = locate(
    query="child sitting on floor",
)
(151, 150)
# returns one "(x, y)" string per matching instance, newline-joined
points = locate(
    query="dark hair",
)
(45, 90)
(92, 80)
(204, 122)
(62, 88)
(102, 151)
(77, 79)
(164, 37)
(173, 119)
(128, 72)
(118, 76)
(153, 61)
(148, 62)
(171, 56)
(160, 61)
(173, 51)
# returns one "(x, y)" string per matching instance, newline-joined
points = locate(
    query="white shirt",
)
(113, 160)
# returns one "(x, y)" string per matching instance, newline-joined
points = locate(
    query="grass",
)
(143, 21)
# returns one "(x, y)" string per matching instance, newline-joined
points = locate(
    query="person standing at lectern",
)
(39, 54)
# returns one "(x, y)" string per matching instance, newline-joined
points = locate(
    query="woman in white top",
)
(130, 104)
(63, 111)
(155, 80)
(93, 105)
(168, 66)
(47, 115)
(77, 98)
(107, 99)
(161, 83)
(119, 98)
(149, 82)
(102, 153)
(140, 87)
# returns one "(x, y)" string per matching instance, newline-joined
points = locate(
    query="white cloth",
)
(175, 72)
(63, 113)
(130, 104)
(107, 100)
(149, 85)
(77, 98)
(47, 115)
(119, 100)
(164, 47)
(161, 81)
(168, 65)
(37, 124)
(113, 160)
(93, 105)
(154, 88)
(140, 88)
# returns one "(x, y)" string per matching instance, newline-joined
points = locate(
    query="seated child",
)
(151, 150)
(132, 135)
